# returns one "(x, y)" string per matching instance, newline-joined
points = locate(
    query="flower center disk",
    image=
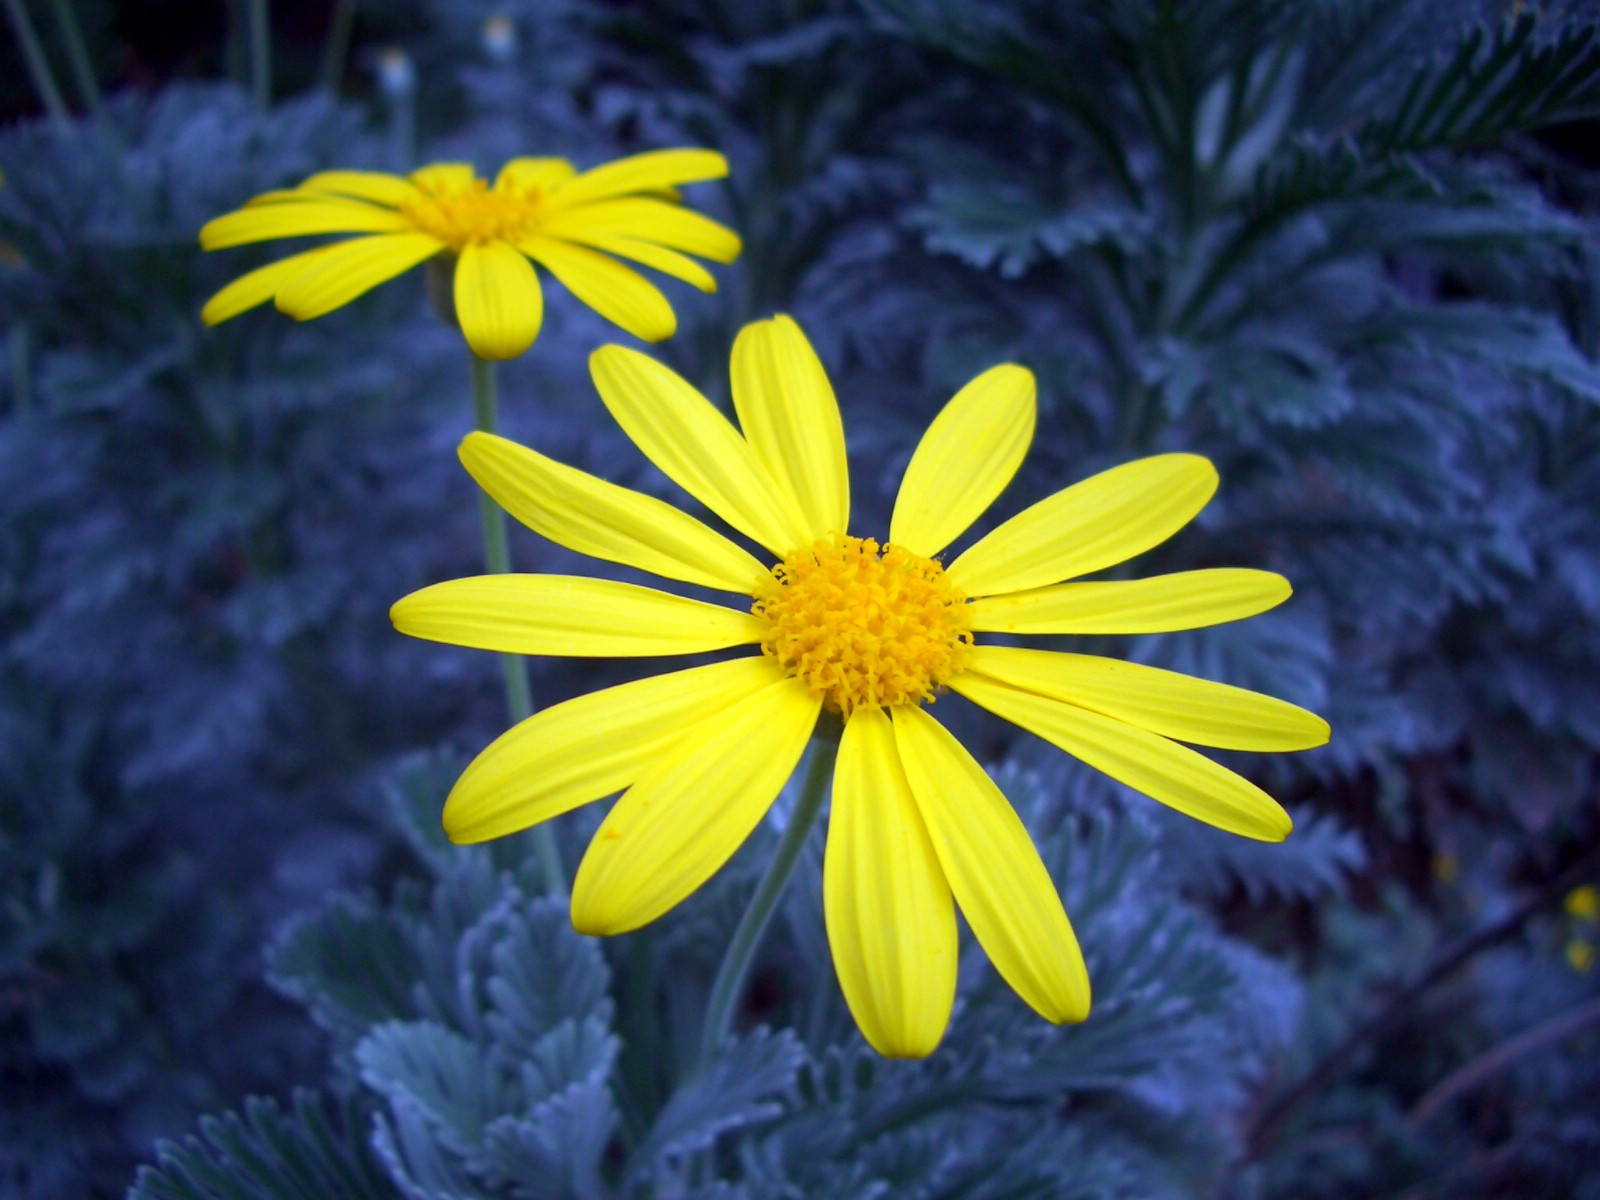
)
(476, 214)
(862, 625)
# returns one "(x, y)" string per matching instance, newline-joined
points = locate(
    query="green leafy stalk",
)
(77, 54)
(38, 66)
(497, 557)
(741, 950)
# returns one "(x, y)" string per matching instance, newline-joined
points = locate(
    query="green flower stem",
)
(337, 48)
(260, 54)
(38, 66)
(735, 966)
(513, 667)
(77, 54)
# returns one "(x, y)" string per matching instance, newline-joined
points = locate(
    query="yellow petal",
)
(258, 286)
(544, 173)
(376, 186)
(570, 616)
(1148, 763)
(266, 222)
(648, 220)
(686, 816)
(445, 178)
(597, 518)
(668, 262)
(351, 269)
(1160, 604)
(644, 173)
(791, 420)
(618, 293)
(696, 447)
(1106, 519)
(965, 460)
(891, 920)
(591, 746)
(1165, 702)
(498, 300)
(996, 874)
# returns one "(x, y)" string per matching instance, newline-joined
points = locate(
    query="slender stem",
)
(735, 966)
(337, 47)
(1270, 1121)
(260, 54)
(38, 66)
(513, 667)
(77, 54)
(21, 366)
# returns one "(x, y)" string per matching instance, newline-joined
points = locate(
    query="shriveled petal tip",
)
(994, 870)
(791, 419)
(1105, 520)
(675, 827)
(1147, 762)
(965, 459)
(498, 300)
(890, 916)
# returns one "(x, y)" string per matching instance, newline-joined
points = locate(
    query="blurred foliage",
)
(1345, 248)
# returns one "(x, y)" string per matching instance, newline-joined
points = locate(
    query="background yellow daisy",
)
(539, 210)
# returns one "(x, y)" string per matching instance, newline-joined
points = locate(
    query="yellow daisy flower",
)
(870, 631)
(538, 208)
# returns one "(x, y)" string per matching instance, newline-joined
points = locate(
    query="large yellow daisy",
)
(873, 632)
(538, 208)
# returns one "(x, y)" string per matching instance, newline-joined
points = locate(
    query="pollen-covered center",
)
(476, 214)
(864, 626)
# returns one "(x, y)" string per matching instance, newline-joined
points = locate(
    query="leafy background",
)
(1345, 248)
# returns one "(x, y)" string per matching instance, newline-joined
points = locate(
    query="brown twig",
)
(1475, 1071)
(1269, 1123)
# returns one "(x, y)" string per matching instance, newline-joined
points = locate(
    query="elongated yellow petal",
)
(569, 616)
(522, 173)
(891, 919)
(1106, 519)
(351, 269)
(1165, 702)
(996, 874)
(591, 746)
(965, 459)
(1159, 604)
(648, 220)
(267, 222)
(258, 286)
(696, 447)
(376, 186)
(445, 178)
(645, 172)
(498, 300)
(594, 517)
(668, 262)
(618, 293)
(789, 415)
(1147, 762)
(684, 818)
